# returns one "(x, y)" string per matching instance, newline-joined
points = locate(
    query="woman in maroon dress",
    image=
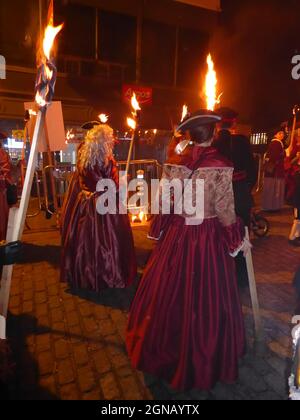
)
(98, 250)
(5, 178)
(186, 324)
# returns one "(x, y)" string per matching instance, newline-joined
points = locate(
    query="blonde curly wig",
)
(98, 147)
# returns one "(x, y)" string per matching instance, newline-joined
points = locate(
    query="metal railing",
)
(52, 183)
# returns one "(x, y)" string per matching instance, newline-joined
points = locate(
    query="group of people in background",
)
(282, 177)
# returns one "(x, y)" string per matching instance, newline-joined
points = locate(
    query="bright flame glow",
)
(103, 118)
(134, 103)
(184, 112)
(32, 112)
(131, 123)
(140, 218)
(40, 100)
(211, 85)
(155, 131)
(70, 135)
(50, 35)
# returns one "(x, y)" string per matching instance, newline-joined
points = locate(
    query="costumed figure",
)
(273, 196)
(185, 323)
(74, 187)
(98, 250)
(237, 149)
(5, 180)
(292, 167)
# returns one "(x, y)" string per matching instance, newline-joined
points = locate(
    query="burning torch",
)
(44, 92)
(133, 123)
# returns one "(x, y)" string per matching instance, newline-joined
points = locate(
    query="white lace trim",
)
(246, 243)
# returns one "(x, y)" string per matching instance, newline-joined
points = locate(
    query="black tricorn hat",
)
(90, 124)
(227, 114)
(198, 119)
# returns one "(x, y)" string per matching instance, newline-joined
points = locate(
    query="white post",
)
(17, 218)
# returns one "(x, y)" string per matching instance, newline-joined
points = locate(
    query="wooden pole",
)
(17, 218)
(130, 153)
(259, 334)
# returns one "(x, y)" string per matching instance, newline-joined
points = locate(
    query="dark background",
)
(254, 47)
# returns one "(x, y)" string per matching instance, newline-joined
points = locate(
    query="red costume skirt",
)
(186, 324)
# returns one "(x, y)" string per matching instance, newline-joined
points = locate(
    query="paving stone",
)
(61, 347)
(81, 355)
(43, 342)
(65, 372)
(72, 318)
(86, 379)
(48, 383)
(109, 387)
(46, 363)
(102, 362)
(69, 392)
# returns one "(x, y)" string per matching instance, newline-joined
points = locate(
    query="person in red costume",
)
(185, 323)
(98, 250)
(5, 179)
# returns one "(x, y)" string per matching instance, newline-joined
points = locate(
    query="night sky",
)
(253, 49)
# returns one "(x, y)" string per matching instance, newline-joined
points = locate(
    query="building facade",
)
(106, 45)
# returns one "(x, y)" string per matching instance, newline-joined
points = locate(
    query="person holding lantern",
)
(185, 323)
(98, 250)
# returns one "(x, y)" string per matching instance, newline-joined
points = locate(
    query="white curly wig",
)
(98, 147)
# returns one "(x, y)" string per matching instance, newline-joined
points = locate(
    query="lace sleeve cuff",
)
(235, 236)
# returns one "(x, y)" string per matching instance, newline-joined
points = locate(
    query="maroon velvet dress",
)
(98, 250)
(186, 324)
(5, 177)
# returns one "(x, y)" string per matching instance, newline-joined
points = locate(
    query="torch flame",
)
(103, 118)
(211, 85)
(47, 69)
(50, 35)
(131, 123)
(184, 112)
(40, 100)
(134, 103)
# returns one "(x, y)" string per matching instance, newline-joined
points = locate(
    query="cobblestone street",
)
(72, 347)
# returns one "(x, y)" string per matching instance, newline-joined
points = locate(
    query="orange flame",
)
(211, 85)
(48, 41)
(135, 104)
(103, 118)
(40, 100)
(131, 123)
(50, 34)
(184, 112)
